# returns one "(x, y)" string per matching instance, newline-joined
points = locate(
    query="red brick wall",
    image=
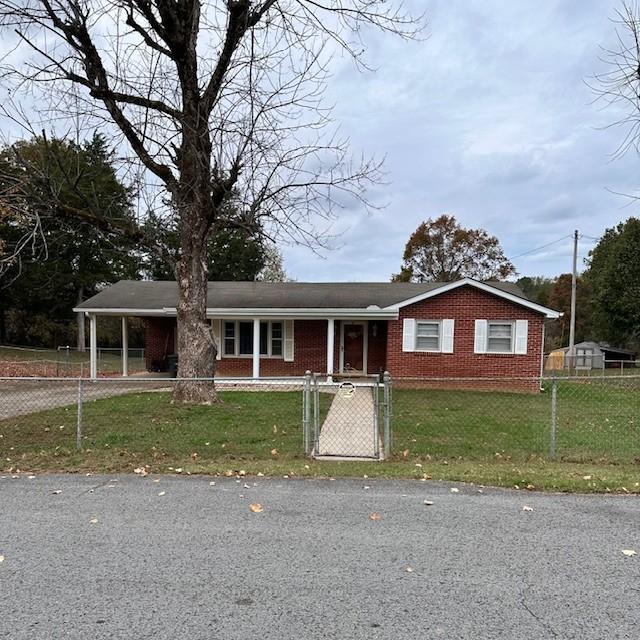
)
(158, 340)
(465, 305)
(310, 352)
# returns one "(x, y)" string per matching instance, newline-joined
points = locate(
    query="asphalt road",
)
(197, 563)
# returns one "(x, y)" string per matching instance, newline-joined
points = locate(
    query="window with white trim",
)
(500, 337)
(428, 335)
(238, 338)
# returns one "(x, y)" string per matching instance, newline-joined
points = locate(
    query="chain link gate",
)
(348, 419)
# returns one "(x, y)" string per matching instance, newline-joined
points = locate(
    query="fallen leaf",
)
(93, 520)
(242, 472)
(194, 456)
(256, 507)
(586, 477)
(274, 452)
(260, 474)
(275, 429)
(178, 470)
(405, 453)
(375, 516)
(526, 508)
(428, 503)
(629, 552)
(228, 473)
(530, 487)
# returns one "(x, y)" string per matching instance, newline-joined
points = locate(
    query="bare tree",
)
(618, 85)
(210, 98)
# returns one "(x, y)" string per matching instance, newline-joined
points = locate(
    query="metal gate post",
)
(554, 418)
(386, 379)
(316, 413)
(79, 416)
(376, 420)
(306, 412)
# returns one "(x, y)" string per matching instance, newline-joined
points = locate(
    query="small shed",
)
(590, 355)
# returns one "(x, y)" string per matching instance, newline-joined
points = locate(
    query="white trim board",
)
(262, 313)
(449, 286)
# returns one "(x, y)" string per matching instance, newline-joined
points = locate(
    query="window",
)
(229, 338)
(238, 338)
(500, 337)
(427, 336)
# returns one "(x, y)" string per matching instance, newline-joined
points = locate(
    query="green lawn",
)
(61, 362)
(483, 437)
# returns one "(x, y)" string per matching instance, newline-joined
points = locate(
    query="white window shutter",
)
(288, 340)
(409, 334)
(447, 336)
(522, 334)
(480, 341)
(216, 329)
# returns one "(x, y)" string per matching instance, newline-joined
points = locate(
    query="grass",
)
(487, 438)
(63, 360)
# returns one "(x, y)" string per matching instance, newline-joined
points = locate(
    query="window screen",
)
(428, 336)
(500, 337)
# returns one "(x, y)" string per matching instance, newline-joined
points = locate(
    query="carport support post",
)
(256, 347)
(79, 415)
(93, 347)
(330, 343)
(125, 347)
(554, 418)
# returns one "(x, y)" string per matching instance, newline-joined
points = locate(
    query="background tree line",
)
(68, 260)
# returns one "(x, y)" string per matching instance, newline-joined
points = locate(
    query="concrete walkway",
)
(349, 429)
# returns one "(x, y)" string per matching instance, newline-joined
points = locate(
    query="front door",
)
(353, 347)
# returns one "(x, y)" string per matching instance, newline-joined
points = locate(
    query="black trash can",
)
(172, 362)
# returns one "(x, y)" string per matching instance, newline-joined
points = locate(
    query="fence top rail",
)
(131, 380)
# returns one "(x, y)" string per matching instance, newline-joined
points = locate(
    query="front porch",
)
(266, 347)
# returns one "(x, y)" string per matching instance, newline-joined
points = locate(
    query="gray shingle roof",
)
(133, 294)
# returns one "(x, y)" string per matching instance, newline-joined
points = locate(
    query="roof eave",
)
(256, 312)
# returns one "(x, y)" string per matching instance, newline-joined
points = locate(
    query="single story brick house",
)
(456, 329)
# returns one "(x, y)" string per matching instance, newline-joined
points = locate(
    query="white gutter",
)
(231, 313)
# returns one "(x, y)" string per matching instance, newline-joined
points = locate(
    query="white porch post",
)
(256, 347)
(93, 347)
(125, 347)
(330, 345)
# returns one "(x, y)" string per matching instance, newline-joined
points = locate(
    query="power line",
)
(544, 246)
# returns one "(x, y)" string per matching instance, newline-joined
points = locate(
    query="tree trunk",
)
(196, 348)
(81, 341)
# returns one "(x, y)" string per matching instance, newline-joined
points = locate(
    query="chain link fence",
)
(66, 362)
(75, 421)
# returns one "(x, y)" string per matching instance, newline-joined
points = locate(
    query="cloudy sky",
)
(488, 119)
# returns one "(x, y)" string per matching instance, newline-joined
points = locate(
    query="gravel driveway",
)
(197, 563)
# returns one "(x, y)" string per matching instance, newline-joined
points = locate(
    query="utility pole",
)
(572, 324)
